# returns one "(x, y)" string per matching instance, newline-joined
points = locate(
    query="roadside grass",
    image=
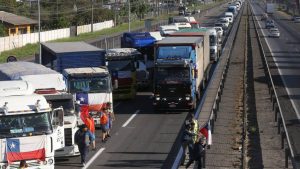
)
(29, 50)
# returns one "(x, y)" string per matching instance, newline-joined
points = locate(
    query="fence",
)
(12, 42)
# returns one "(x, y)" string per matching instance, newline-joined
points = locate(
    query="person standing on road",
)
(84, 138)
(197, 154)
(188, 136)
(104, 124)
(90, 123)
(111, 117)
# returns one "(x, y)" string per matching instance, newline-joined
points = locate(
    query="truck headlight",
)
(45, 162)
(50, 161)
(4, 166)
(187, 98)
(157, 98)
(179, 98)
(164, 99)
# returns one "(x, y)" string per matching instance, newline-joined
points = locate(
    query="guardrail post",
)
(276, 113)
(215, 112)
(282, 139)
(279, 125)
(287, 154)
(212, 124)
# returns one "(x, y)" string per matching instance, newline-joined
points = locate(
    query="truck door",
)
(58, 128)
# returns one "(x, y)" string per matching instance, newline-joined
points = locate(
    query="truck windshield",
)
(25, 125)
(212, 40)
(174, 52)
(171, 75)
(121, 65)
(67, 104)
(90, 85)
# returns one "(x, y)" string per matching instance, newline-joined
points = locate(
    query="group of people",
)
(194, 141)
(85, 135)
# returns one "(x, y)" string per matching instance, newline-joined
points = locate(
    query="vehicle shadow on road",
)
(133, 164)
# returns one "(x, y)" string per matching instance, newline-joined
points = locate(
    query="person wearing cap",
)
(84, 138)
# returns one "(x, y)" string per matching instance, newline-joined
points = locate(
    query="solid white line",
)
(281, 74)
(131, 117)
(93, 158)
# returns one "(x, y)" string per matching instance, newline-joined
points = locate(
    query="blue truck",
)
(179, 73)
(144, 43)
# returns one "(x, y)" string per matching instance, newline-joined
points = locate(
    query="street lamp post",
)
(129, 16)
(92, 22)
(39, 18)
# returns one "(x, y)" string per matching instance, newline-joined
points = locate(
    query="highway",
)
(284, 57)
(140, 137)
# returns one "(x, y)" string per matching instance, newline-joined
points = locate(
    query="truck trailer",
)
(213, 40)
(179, 73)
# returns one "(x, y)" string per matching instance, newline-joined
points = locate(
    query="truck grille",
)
(68, 137)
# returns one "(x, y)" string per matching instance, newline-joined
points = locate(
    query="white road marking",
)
(131, 118)
(93, 158)
(281, 74)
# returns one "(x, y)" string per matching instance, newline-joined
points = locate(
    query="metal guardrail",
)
(209, 105)
(276, 104)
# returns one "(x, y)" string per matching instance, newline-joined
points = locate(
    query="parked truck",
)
(179, 72)
(29, 128)
(51, 85)
(122, 64)
(91, 86)
(143, 42)
(83, 68)
(270, 8)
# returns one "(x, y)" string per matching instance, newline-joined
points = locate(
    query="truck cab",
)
(90, 86)
(51, 85)
(122, 64)
(28, 126)
(178, 74)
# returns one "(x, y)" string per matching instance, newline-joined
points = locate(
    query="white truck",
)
(29, 129)
(51, 85)
(90, 86)
(270, 8)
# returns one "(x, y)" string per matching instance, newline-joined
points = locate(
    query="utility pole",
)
(92, 23)
(39, 18)
(129, 16)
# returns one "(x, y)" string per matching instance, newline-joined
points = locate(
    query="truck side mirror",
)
(195, 73)
(116, 85)
(58, 117)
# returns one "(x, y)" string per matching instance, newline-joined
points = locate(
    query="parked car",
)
(269, 24)
(296, 19)
(274, 32)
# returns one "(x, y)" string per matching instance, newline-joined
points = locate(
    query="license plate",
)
(172, 105)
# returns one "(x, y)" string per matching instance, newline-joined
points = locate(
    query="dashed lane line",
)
(131, 118)
(93, 158)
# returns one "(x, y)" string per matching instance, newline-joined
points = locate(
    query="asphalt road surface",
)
(140, 137)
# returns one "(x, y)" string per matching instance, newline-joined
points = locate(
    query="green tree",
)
(2, 30)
